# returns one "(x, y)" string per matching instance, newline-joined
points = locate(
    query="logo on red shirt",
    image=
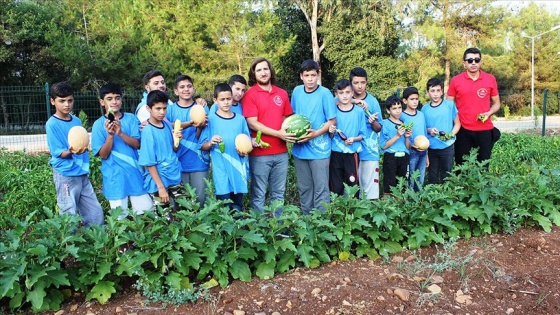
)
(482, 92)
(278, 100)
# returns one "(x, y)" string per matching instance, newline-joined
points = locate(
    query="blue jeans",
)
(75, 195)
(313, 184)
(417, 163)
(441, 163)
(268, 171)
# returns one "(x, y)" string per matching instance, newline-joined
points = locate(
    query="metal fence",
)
(24, 111)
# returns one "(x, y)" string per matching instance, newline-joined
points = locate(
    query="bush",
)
(45, 261)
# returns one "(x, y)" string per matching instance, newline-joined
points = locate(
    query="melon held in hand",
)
(78, 138)
(421, 142)
(243, 143)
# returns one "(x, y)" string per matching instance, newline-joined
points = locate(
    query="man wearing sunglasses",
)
(475, 93)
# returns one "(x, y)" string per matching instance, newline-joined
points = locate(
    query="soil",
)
(494, 274)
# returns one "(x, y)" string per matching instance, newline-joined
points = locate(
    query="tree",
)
(441, 30)
(366, 35)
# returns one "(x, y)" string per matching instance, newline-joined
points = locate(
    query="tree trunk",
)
(447, 75)
(315, 37)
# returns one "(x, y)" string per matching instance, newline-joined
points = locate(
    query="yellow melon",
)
(421, 142)
(198, 114)
(78, 138)
(243, 143)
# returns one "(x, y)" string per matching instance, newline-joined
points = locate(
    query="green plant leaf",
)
(10, 277)
(343, 256)
(240, 270)
(304, 253)
(287, 260)
(253, 238)
(37, 295)
(543, 221)
(266, 270)
(174, 279)
(16, 301)
(102, 291)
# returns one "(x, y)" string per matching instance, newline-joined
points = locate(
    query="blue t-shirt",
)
(156, 149)
(388, 131)
(235, 108)
(57, 140)
(419, 127)
(370, 144)
(190, 156)
(229, 169)
(440, 117)
(352, 124)
(319, 107)
(122, 175)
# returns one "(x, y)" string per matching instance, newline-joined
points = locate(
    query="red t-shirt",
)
(473, 97)
(270, 108)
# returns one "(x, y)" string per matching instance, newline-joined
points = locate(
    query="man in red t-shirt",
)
(265, 106)
(475, 93)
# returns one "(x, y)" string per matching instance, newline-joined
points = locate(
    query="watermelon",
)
(297, 124)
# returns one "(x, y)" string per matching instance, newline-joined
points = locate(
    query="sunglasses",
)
(470, 60)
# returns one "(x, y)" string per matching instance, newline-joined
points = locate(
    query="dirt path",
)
(497, 274)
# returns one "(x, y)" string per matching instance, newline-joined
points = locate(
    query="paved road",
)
(38, 143)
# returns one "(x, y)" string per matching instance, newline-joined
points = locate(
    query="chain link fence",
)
(24, 111)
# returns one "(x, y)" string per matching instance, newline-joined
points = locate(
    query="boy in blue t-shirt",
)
(115, 138)
(158, 153)
(311, 153)
(346, 139)
(74, 192)
(229, 166)
(442, 124)
(368, 168)
(194, 161)
(418, 160)
(238, 86)
(395, 144)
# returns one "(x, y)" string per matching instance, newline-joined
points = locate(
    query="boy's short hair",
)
(252, 75)
(108, 89)
(309, 65)
(409, 91)
(393, 100)
(157, 96)
(183, 77)
(434, 82)
(61, 89)
(358, 72)
(222, 87)
(342, 84)
(151, 74)
(236, 78)
(472, 50)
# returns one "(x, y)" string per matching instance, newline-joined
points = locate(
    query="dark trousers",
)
(468, 139)
(343, 168)
(441, 163)
(393, 167)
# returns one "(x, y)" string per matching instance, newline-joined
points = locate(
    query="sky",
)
(552, 5)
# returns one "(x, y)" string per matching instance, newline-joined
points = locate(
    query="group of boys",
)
(145, 160)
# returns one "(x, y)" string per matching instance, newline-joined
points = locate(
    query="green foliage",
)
(170, 254)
